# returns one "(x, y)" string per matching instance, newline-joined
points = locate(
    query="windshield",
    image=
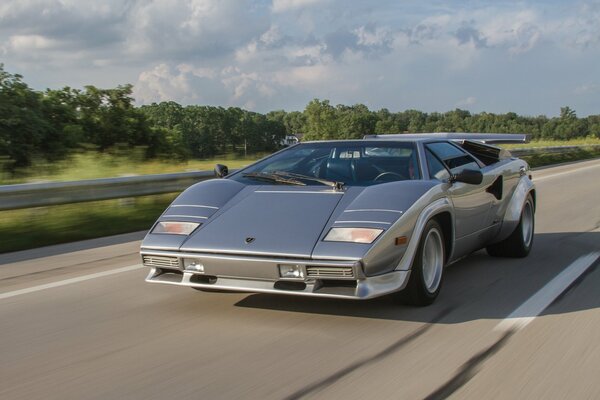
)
(351, 163)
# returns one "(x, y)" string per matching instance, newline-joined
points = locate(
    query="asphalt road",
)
(79, 322)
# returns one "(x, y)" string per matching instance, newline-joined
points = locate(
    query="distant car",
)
(350, 219)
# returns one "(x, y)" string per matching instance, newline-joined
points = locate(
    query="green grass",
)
(540, 160)
(91, 165)
(548, 143)
(43, 226)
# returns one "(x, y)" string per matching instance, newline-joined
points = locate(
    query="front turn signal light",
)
(175, 228)
(353, 235)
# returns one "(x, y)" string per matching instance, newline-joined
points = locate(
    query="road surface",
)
(79, 322)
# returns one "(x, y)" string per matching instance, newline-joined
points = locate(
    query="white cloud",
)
(191, 28)
(469, 101)
(286, 5)
(588, 88)
(23, 43)
(163, 84)
(283, 53)
(305, 76)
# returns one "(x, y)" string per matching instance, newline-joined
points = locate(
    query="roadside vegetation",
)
(541, 160)
(56, 124)
(589, 140)
(126, 162)
(92, 165)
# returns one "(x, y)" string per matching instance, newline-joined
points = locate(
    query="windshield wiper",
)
(272, 177)
(335, 185)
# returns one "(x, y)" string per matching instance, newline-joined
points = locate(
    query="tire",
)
(519, 243)
(426, 276)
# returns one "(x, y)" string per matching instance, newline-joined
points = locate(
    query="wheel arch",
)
(444, 219)
(533, 196)
(511, 218)
(440, 208)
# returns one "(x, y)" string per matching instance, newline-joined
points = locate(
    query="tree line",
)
(51, 124)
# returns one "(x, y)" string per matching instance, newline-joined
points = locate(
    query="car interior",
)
(358, 165)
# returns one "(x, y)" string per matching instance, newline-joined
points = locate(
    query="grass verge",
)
(43, 226)
(541, 160)
(550, 143)
(92, 165)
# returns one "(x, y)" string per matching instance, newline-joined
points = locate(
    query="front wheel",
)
(519, 243)
(426, 276)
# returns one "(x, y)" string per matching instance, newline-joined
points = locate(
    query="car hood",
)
(273, 220)
(278, 220)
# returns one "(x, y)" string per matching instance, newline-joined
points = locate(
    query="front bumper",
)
(261, 275)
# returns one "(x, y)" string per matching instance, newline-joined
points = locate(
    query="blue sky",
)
(530, 57)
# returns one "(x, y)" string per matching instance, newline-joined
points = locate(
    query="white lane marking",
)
(69, 281)
(537, 303)
(541, 178)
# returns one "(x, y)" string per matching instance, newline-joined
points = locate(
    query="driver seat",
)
(340, 170)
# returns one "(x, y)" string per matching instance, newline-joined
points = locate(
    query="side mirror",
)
(221, 171)
(470, 176)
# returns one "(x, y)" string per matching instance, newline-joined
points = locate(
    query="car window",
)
(355, 163)
(454, 158)
(388, 152)
(458, 164)
(436, 168)
(445, 150)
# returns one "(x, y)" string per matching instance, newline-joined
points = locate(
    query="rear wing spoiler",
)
(489, 138)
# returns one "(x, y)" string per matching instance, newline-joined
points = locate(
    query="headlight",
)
(354, 235)
(175, 228)
(291, 271)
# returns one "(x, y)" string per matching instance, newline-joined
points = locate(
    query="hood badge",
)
(249, 240)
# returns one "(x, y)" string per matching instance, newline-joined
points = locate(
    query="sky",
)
(528, 57)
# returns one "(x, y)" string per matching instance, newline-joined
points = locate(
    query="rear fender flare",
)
(512, 215)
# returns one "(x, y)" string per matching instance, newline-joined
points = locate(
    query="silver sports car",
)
(352, 219)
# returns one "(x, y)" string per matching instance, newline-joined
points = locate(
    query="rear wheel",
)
(519, 243)
(426, 276)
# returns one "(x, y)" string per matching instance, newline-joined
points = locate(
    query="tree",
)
(295, 122)
(321, 121)
(23, 128)
(355, 121)
(566, 113)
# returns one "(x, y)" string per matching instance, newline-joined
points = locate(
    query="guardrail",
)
(54, 193)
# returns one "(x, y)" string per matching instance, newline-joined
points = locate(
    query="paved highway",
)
(79, 322)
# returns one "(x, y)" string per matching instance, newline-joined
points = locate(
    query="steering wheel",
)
(381, 175)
